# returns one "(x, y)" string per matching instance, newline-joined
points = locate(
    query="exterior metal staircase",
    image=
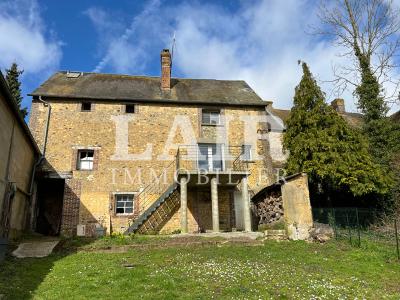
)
(161, 198)
(156, 203)
(154, 217)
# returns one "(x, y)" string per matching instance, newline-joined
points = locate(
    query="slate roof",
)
(353, 119)
(9, 99)
(147, 89)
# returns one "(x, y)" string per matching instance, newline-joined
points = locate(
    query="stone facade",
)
(71, 129)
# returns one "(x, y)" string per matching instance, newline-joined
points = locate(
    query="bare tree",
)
(365, 30)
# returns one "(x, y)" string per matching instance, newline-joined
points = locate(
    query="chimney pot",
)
(165, 70)
(338, 105)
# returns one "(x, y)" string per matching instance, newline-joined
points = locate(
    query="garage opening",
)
(50, 195)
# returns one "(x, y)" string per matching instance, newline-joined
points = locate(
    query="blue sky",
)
(254, 40)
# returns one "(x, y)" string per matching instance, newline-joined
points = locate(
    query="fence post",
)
(397, 238)
(334, 223)
(348, 226)
(358, 228)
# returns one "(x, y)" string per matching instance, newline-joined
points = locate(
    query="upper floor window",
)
(211, 117)
(86, 106)
(124, 204)
(130, 108)
(246, 153)
(85, 159)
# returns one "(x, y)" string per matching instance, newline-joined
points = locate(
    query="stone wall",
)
(17, 159)
(297, 207)
(70, 129)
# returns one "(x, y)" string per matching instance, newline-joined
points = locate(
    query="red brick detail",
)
(96, 155)
(71, 203)
(112, 204)
(165, 70)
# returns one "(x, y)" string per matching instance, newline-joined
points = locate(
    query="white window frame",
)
(124, 194)
(87, 160)
(214, 116)
(210, 156)
(247, 155)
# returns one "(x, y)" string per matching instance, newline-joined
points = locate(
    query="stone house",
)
(19, 155)
(150, 154)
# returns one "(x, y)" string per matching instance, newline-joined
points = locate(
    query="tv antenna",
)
(173, 47)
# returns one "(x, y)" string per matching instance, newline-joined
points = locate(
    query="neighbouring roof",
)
(396, 116)
(353, 119)
(10, 101)
(147, 89)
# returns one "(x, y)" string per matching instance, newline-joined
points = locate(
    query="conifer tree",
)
(13, 81)
(381, 131)
(322, 144)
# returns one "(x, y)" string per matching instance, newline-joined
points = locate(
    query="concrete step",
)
(275, 234)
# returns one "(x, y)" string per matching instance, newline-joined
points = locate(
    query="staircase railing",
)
(156, 188)
(187, 158)
(226, 158)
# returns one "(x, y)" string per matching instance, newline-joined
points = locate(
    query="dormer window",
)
(86, 106)
(211, 117)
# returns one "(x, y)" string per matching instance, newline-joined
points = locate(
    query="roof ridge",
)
(145, 76)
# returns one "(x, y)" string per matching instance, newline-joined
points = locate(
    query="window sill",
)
(124, 215)
(212, 125)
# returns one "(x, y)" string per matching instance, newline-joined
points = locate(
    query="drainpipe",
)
(40, 159)
(46, 104)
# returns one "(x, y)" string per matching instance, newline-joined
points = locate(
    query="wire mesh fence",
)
(364, 228)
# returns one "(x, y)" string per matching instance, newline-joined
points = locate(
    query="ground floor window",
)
(124, 204)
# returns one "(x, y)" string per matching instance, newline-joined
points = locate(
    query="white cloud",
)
(261, 43)
(25, 39)
(123, 51)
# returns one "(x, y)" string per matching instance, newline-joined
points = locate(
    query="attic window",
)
(210, 117)
(73, 74)
(86, 106)
(130, 108)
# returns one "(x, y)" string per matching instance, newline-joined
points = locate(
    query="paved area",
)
(35, 249)
(226, 235)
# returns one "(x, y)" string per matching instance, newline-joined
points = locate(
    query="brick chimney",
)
(165, 70)
(338, 105)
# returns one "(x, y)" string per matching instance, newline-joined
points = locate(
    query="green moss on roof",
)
(143, 88)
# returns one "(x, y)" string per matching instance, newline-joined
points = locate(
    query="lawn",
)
(157, 268)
